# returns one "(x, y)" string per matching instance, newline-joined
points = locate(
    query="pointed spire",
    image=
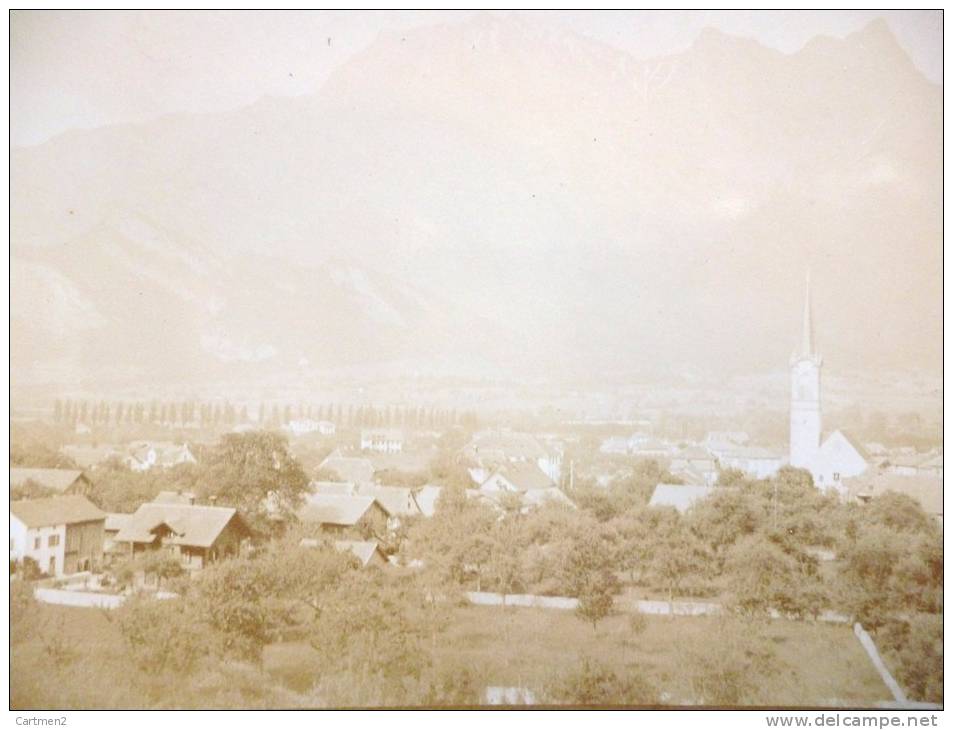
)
(807, 335)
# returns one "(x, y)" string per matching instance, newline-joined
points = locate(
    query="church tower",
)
(805, 394)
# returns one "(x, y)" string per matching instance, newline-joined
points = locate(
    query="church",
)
(837, 457)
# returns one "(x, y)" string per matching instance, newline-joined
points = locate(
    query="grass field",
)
(814, 664)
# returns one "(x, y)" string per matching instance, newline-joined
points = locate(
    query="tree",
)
(373, 633)
(589, 574)
(164, 635)
(678, 556)
(256, 473)
(762, 577)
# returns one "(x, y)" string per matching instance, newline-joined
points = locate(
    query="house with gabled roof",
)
(341, 514)
(196, 534)
(62, 534)
(398, 501)
(516, 477)
(493, 449)
(145, 455)
(60, 481)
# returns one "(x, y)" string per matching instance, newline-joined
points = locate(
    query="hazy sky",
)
(82, 69)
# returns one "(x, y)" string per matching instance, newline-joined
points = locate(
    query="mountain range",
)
(495, 197)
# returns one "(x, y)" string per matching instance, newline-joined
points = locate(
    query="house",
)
(838, 458)
(368, 552)
(526, 481)
(144, 455)
(196, 534)
(551, 495)
(321, 487)
(695, 465)
(62, 534)
(382, 440)
(342, 514)
(304, 426)
(916, 465)
(398, 501)
(348, 469)
(60, 481)
(754, 461)
(926, 490)
(679, 496)
(112, 550)
(651, 448)
(426, 498)
(517, 477)
(493, 449)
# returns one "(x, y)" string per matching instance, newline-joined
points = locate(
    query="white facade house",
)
(382, 440)
(145, 455)
(61, 535)
(303, 426)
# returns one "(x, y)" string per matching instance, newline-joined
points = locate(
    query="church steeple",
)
(807, 334)
(806, 393)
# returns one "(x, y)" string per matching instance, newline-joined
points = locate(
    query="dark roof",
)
(62, 510)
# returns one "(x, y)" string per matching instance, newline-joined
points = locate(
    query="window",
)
(53, 541)
(36, 543)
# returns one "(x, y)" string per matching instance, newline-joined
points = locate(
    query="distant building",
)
(695, 465)
(382, 440)
(144, 455)
(753, 461)
(62, 535)
(348, 469)
(494, 449)
(61, 481)
(196, 535)
(303, 426)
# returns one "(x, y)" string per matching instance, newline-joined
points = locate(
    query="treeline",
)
(272, 415)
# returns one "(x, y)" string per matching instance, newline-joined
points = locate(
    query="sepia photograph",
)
(476, 359)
